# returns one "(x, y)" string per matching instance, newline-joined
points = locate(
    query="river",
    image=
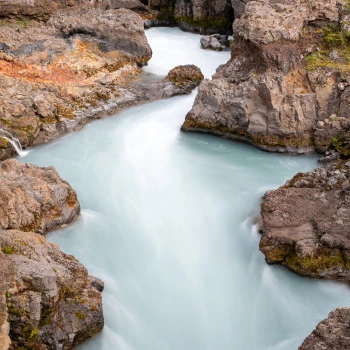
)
(166, 223)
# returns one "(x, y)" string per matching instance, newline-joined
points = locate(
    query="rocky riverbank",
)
(48, 300)
(82, 64)
(285, 88)
(59, 67)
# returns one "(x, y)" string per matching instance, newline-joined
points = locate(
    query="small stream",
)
(166, 223)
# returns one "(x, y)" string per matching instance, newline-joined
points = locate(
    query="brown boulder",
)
(120, 29)
(333, 333)
(34, 198)
(306, 224)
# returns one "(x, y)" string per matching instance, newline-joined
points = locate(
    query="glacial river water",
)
(166, 223)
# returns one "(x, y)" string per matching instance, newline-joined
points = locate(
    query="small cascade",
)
(16, 144)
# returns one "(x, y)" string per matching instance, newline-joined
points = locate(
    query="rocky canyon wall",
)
(285, 88)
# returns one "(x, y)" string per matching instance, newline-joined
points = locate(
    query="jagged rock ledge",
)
(306, 223)
(82, 64)
(285, 87)
(332, 333)
(48, 300)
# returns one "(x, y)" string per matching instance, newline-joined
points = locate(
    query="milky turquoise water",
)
(166, 223)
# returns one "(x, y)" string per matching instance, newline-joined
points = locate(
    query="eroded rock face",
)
(52, 76)
(34, 198)
(52, 302)
(203, 16)
(47, 298)
(306, 223)
(331, 333)
(268, 94)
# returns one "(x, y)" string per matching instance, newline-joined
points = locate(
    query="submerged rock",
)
(48, 300)
(306, 224)
(215, 42)
(332, 333)
(34, 198)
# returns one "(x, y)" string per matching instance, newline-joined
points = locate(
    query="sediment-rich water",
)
(166, 223)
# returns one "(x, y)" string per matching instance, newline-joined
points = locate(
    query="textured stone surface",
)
(306, 223)
(266, 21)
(49, 73)
(332, 333)
(265, 95)
(52, 302)
(47, 298)
(42, 9)
(119, 29)
(215, 42)
(34, 198)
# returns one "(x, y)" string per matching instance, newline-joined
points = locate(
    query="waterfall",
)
(16, 144)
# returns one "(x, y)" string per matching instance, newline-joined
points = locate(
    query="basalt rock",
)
(51, 73)
(204, 16)
(120, 29)
(276, 92)
(331, 333)
(51, 301)
(306, 223)
(215, 42)
(34, 198)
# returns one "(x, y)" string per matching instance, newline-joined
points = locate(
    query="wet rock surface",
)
(331, 333)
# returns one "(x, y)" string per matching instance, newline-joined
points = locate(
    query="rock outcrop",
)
(286, 82)
(119, 30)
(331, 333)
(34, 198)
(203, 16)
(215, 42)
(42, 9)
(48, 300)
(306, 223)
(51, 72)
(52, 302)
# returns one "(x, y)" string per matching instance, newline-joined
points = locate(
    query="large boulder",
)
(275, 89)
(332, 333)
(34, 198)
(306, 223)
(52, 302)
